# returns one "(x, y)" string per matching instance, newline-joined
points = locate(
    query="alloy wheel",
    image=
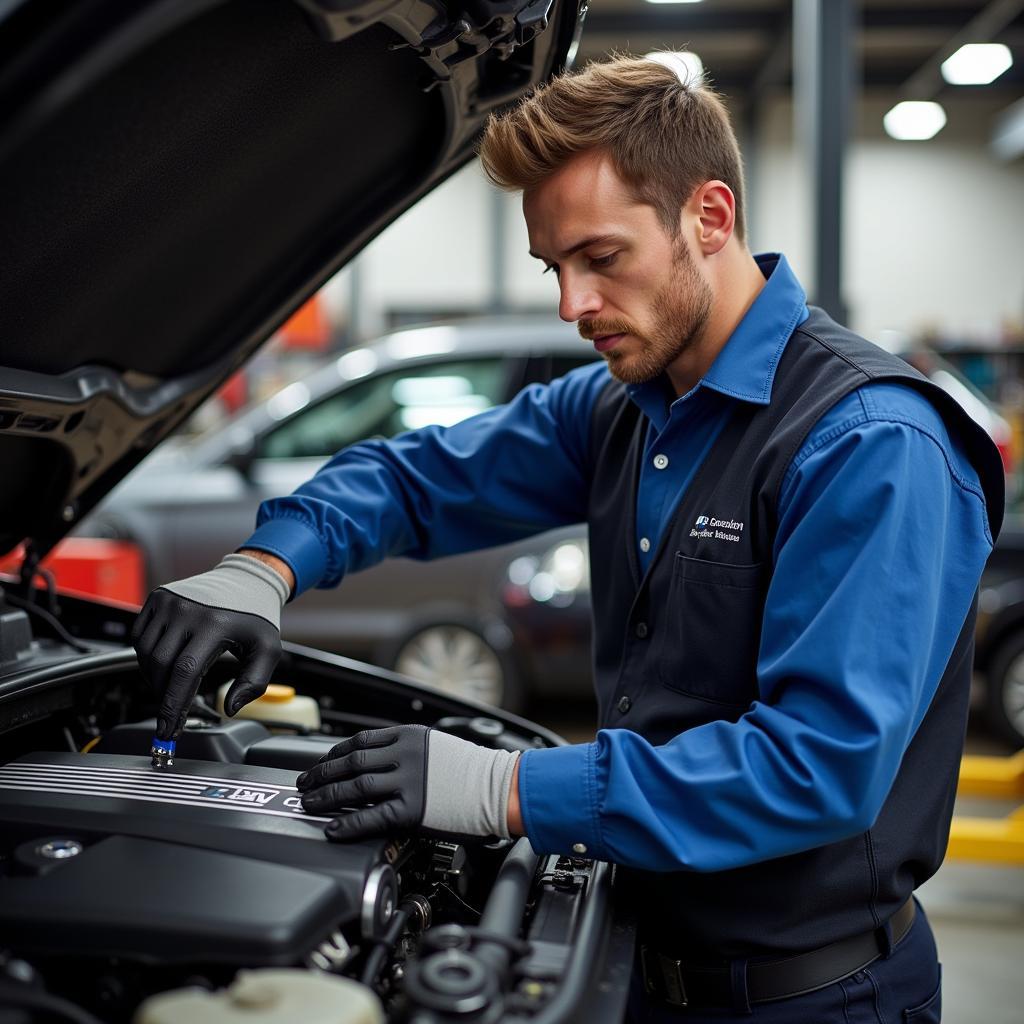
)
(456, 660)
(1013, 694)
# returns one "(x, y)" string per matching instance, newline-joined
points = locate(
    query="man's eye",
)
(604, 261)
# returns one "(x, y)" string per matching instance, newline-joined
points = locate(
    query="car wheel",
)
(459, 661)
(1006, 690)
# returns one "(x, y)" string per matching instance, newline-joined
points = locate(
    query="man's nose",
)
(577, 301)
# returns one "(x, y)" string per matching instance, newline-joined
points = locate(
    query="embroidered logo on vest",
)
(709, 528)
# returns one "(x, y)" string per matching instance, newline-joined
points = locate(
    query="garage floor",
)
(977, 911)
(978, 916)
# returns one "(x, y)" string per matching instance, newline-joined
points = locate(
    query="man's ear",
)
(712, 209)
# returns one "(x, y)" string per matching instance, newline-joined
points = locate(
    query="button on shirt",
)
(881, 540)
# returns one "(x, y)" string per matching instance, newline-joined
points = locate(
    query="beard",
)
(679, 313)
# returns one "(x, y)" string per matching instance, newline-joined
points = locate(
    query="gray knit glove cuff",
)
(468, 787)
(239, 583)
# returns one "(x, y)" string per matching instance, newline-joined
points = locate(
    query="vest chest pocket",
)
(710, 629)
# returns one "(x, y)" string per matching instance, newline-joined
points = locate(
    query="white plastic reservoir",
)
(270, 996)
(278, 704)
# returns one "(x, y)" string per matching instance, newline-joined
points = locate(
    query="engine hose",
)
(503, 913)
(19, 996)
(377, 955)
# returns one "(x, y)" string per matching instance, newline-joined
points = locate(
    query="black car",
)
(177, 178)
(999, 656)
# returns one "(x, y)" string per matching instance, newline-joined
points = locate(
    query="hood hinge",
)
(484, 25)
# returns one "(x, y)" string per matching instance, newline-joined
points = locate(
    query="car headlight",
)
(556, 577)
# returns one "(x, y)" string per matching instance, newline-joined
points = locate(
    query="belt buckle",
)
(663, 977)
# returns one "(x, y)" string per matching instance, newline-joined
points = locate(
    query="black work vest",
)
(677, 647)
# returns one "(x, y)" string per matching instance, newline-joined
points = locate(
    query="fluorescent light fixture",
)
(431, 390)
(688, 66)
(977, 64)
(914, 120)
(416, 417)
(674, 1)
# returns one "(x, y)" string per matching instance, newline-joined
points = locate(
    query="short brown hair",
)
(665, 136)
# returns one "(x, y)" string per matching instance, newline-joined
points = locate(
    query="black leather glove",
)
(186, 625)
(406, 778)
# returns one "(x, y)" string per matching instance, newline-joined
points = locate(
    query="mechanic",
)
(787, 525)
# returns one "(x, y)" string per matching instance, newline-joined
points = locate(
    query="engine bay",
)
(88, 826)
(135, 894)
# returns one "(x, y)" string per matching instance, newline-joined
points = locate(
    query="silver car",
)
(442, 622)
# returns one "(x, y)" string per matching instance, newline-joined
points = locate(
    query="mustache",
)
(591, 329)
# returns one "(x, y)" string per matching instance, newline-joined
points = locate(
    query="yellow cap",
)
(277, 694)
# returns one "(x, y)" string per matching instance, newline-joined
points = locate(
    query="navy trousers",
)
(904, 988)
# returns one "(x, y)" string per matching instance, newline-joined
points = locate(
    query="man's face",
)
(635, 291)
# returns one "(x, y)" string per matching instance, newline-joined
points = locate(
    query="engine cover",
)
(202, 861)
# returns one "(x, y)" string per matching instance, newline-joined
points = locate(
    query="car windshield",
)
(381, 406)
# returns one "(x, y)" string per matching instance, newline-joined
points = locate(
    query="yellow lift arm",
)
(992, 840)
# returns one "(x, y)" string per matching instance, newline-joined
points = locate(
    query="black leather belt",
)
(680, 985)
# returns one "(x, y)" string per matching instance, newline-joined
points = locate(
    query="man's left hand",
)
(406, 778)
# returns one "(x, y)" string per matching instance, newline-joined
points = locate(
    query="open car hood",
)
(180, 175)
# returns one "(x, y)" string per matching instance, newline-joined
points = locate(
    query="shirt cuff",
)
(296, 544)
(557, 800)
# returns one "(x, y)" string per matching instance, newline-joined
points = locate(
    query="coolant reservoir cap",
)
(278, 694)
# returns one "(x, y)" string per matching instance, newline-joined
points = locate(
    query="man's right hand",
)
(186, 625)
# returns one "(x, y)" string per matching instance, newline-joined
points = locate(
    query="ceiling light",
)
(688, 66)
(673, 1)
(914, 120)
(977, 64)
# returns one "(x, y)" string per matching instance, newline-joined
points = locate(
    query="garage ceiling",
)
(746, 44)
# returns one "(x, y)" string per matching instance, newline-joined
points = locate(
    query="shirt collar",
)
(745, 367)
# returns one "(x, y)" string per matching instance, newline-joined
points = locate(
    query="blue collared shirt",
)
(686, 428)
(853, 642)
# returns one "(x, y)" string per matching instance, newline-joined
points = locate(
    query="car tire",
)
(1005, 692)
(458, 660)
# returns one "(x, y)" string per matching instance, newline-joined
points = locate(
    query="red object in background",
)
(234, 392)
(1006, 454)
(307, 328)
(87, 567)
